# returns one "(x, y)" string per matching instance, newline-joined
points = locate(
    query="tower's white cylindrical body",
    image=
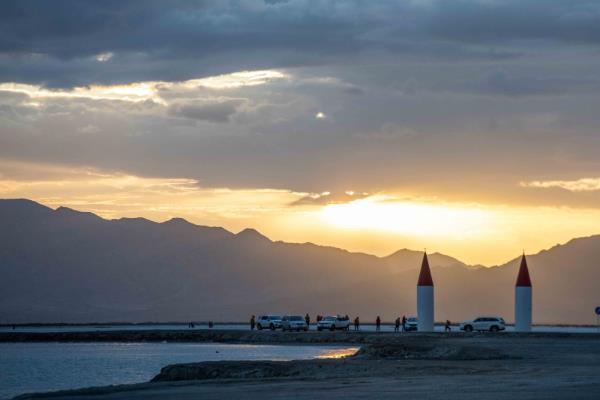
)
(523, 308)
(425, 308)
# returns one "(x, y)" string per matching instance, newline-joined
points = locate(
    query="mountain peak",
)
(24, 205)
(251, 233)
(66, 211)
(404, 251)
(178, 221)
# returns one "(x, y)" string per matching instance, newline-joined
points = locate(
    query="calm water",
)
(35, 367)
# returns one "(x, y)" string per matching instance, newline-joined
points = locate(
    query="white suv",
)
(271, 322)
(480, 324)
(333, 323)
(412, 324)
(293, 323)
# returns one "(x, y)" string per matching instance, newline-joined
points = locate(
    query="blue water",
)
(40, 367)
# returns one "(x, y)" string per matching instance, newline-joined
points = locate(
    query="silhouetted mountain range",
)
(68, 266)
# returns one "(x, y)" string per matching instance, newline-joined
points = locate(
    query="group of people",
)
(399, 322)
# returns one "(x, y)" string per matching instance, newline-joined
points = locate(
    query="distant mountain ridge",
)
(68, 266)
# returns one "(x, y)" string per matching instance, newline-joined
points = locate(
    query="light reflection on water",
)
(339, 353)
(38, 367)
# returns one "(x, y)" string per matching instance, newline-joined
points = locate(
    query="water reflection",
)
(339, 353)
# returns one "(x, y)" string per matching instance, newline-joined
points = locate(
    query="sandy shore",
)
(388, 366)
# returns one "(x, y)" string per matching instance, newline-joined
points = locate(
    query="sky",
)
(465, 127)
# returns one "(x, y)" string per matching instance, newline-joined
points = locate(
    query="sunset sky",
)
(470, 128)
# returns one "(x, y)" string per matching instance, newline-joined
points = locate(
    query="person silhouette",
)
(252, 322)
(378, 324)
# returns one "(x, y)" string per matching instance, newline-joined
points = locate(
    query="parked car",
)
(412, 324)
(293, 323)
(332, 323)
(271, 322)
(480, 324)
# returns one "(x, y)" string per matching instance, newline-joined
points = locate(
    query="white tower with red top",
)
(523, 299)
(425, 298)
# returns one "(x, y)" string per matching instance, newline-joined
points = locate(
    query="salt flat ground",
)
(422, 366)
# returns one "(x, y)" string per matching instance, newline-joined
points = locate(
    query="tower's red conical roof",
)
(425, 274)
(523, 277)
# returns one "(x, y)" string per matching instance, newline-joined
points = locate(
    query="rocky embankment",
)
(204, 335)
(368, 360)
(265, 337)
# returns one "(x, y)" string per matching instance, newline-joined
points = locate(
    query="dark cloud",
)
(427, 97)
(56, 42)
(213, 111)
(500, 83)
(496, 22)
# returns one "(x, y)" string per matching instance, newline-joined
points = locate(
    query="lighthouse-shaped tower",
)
(425, 298)
(523, 299)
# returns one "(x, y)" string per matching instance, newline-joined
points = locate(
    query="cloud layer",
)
(459, 100)
(578, 185)
(74, 43)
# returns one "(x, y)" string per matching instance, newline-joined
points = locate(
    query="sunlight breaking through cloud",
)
(579, 185)
(104, 57)
(148, 90)
(384, 213)
(238, 79)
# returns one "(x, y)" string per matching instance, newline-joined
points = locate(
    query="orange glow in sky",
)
(378, 224)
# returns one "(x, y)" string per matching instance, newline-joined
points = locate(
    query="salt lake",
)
(37, 367)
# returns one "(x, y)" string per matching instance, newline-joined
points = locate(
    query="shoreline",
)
(264, 337)
(473, 366)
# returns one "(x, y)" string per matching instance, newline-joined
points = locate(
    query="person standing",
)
(252, 322)
(378, 324)
(397, 325)
(404, 323)
(356, 323)
(447, 327)
(307, 319)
